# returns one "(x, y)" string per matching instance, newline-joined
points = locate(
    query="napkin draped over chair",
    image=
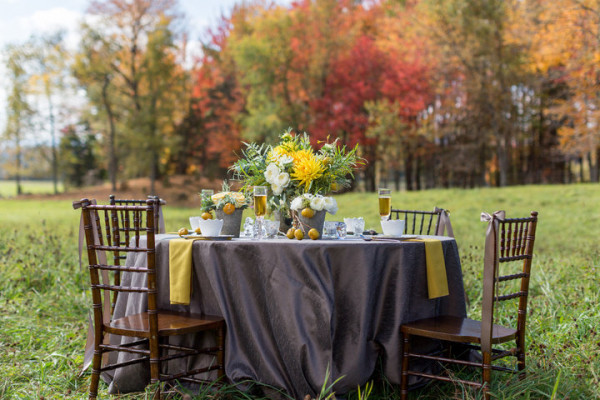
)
(437, 281)
(444, 223)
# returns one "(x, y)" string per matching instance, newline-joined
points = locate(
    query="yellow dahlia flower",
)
(307, 167)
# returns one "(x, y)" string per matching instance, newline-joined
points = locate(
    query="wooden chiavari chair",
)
(419, 222)
(151, 326)
(508, 242)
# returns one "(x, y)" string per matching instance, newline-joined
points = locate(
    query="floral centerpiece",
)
(228, 206)
(308, 211)
(293, 167)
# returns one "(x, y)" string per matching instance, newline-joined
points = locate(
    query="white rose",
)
(277, 190)
(317, 203)
(296, 204)
(283, 179)
(271, 172)
(330, 205)
(285, 160)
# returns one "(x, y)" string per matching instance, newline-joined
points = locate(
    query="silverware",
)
(369, 239)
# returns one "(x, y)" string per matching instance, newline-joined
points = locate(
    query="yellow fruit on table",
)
(313, 234)
(290, 233)
(299, 234)
(308, 212)
(206, 215)
(198, 231)
(183, 231)
(228, 208)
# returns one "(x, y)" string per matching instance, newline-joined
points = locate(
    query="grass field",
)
(44, 297)
(8, 188)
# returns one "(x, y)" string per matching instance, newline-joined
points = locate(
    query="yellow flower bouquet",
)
(293, 167)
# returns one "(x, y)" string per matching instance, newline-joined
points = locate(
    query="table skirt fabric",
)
(294, 309)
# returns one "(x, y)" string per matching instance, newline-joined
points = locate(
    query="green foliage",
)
(77, 156)
(44, 297)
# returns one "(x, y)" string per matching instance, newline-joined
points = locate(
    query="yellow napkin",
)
(437, 282)
(180, 271)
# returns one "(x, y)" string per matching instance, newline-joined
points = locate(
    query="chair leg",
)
(405, 357)
(221, 353)
(96, 365)
(155, 365)
(521, 363)
(487, 374)
(157, 394)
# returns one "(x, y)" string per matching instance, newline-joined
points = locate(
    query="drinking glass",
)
(260, 209)
(385, 203)
(206, 193)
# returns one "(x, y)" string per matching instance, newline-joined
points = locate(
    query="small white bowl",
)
(393, 227)
(211, 227)
(195, 222)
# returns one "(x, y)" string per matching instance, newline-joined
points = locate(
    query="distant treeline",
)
(437, 93)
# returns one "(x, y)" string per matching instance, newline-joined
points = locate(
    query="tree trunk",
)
(112, 152)
(53, 138)
(503, 164)
(18, 173)
(408, 170)
(153, 166)
(418, 161)
(595, 168)
(397, 177)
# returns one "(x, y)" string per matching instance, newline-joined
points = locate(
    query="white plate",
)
(403, 237)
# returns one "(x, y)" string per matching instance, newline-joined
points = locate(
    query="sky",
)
(19, 19)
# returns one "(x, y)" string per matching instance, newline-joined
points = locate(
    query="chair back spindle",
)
(418, 222)
(129, 218)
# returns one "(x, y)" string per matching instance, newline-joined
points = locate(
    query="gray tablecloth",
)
(295, 308)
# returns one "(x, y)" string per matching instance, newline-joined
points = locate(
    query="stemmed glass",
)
(206, 193)
(385, 203)
(260, 209)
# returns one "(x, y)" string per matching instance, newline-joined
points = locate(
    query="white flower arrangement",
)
(315, 202)
(278, 179)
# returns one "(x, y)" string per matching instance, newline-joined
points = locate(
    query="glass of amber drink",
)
(385, 203)
(260, 209)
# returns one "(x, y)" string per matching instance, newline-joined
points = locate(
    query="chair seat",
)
(169, 323)
(456, 329)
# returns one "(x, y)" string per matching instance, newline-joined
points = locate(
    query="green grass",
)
(8, 188)
(44, 297)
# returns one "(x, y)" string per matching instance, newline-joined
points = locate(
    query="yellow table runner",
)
(180, 271)
(437, 281)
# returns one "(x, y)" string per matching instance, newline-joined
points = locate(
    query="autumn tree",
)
(145, 73)
(367, 74)
(48, 60)
(94, 72)
(217, 106)
(19, 112)
(472, 37)
(566, 49)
